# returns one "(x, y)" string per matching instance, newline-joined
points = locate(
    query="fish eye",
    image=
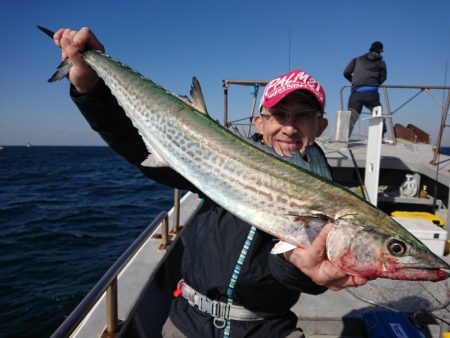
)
(396, 247)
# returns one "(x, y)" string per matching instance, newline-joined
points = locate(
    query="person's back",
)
(366, 73)
(369, 70)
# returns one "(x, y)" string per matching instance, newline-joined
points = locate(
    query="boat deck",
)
(403, 155)
(339, 314)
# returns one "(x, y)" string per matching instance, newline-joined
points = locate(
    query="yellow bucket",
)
(420, 214)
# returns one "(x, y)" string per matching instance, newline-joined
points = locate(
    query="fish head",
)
(371, 252)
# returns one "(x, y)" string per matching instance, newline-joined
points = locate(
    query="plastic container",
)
(427, 232)
(420, 214)
(390, 324)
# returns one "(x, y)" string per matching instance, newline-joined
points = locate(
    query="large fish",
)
(264, 190)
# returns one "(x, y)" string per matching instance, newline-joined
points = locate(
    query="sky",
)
(171, 41)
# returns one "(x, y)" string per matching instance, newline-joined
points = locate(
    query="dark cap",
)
(377, 46)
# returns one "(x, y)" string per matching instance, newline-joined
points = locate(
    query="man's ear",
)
(258, 123)
(322, 125)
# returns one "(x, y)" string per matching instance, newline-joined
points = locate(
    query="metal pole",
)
(389, 113)
(252, 111)
(111, 309)
(225, 104)
(176, 212)
(341, 98)
(372, 172)
(165, 234)
(437, 147)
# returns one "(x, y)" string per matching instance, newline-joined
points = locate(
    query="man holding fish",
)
(228, 262)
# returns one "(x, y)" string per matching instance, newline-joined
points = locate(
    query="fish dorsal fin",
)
(185, 99)
(198, 101)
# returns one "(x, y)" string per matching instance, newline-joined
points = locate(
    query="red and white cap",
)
(283, 85)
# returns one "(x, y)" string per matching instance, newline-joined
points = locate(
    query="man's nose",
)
(289, 128)
(290, 119)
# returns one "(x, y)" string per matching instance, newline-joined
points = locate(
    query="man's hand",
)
(72, 42)
(314, 263)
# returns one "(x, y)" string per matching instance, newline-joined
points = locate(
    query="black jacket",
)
(366, 70)
(214, 240)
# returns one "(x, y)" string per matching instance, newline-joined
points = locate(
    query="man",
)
(366, 73)
(225, 259)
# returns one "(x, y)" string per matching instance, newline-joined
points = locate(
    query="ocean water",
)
(66, 214)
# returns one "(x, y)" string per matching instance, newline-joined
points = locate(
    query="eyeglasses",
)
(296, 118)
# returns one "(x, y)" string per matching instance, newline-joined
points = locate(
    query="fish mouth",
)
(422, 268)
(417, 274)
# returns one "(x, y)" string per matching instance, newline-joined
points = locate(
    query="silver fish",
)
(268, 192)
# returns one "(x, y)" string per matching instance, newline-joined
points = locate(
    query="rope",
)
(235, 275)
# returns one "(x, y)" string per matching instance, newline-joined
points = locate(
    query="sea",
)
(66, 214)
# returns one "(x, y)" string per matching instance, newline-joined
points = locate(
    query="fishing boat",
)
(132, 299)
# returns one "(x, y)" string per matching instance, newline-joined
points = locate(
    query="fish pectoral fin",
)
(314, 216)
(154, 161)
(282, 247)
(198, 101)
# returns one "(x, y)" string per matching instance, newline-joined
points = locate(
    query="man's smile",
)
(289, 144)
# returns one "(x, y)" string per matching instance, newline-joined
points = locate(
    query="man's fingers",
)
(57, 37)
(331, 272)
(346, 282)
(71, 35)
(85, 37)
(358, 281)
(82, 39)
(71, 52)
(72, 43)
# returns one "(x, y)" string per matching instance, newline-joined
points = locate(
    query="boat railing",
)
(420, 89)
(256, 84)
(108, 283)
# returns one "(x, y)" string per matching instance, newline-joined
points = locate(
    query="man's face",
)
(293, 124)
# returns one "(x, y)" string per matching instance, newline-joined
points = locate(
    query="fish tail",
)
(62, 71)
(64, 67)
(46, 31)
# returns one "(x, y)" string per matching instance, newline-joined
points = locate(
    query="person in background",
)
(366, 73)
(226, 260)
